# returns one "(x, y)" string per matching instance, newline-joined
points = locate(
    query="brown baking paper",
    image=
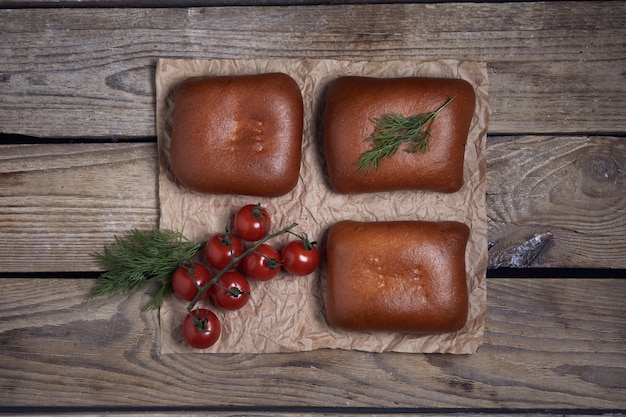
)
(287, 313)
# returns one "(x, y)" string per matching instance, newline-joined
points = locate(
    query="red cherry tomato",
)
(221, 248)
(300, 257)
(252, 222)
(201, 328)
(231, 291)
(263, 264)
(189, 278)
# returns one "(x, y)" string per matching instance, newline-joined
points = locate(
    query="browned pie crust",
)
(238, 134)
(351, 104)
(400, 276)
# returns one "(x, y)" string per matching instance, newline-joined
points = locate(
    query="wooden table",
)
(78, 164)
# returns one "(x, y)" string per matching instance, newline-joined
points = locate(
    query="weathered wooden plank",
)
(554, 67)
(571, 187)
(199, 3)
(549, 344)
(60, 202)
(325, 411)
(190, 3)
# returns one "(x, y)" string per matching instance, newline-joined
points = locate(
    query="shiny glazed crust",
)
(402, 276)
(351, 104)
(238, 134)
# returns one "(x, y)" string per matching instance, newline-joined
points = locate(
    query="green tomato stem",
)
(233, 261)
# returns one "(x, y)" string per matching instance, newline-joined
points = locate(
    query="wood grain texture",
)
(60, 202)
(547, 345)
(197, 3)
(571, 187)
(553, 67)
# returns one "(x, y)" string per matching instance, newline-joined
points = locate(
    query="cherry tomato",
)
(221, 248)
(300, 257)
(188, 278)
(231, 291)
(252, 222)
(201, 328)
(263, 264)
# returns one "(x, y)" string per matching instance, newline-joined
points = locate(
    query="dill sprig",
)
(142, 258)
(392, 130)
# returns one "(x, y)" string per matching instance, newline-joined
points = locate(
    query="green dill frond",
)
(142, 258)
(392, 130)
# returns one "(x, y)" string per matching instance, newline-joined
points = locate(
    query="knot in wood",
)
(603, 168)
(602, 175)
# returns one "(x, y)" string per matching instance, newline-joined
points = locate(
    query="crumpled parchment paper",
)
(287, 313)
